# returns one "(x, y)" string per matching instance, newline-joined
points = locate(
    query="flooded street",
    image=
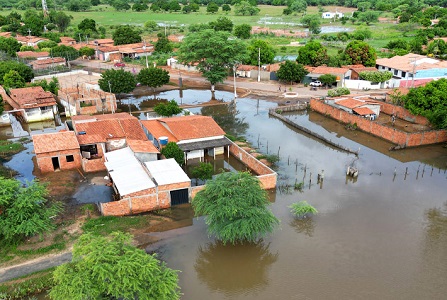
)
(380, 236)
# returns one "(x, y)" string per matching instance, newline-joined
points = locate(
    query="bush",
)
(338, 92)
(302, 209)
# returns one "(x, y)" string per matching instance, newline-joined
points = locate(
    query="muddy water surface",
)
(381, 236)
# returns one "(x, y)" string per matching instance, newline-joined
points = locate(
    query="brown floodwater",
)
(380, 236)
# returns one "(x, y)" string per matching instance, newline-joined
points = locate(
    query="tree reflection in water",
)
(304, 225)
(226, 116)
(234, 268)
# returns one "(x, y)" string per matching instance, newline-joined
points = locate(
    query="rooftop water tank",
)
(163, 140)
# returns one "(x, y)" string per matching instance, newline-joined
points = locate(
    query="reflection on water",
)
(231, 269)
(228, 117)
(304, 225)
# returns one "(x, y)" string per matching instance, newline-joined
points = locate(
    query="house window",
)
(395, 72)
(69, 158)
(404, 74)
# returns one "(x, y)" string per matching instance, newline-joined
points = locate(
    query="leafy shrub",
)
(302, 209)
(338, 92)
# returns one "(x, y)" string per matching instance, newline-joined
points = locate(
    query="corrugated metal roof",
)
(166, 171)
(126, 171)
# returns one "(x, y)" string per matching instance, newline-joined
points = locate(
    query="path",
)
(38, 264)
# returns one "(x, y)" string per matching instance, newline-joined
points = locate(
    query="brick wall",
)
(93, 165)
(45, 163)
(268, 181)
(402, 113)
(88, 110)
(388, 133)
(194, 190)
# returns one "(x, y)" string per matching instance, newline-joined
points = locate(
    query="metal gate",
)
(179, 197)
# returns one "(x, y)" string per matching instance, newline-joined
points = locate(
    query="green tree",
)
(358, 52)
(25, 209)
(222, 24)
(151, 26)
(200, 47)
(112, 268)
(120, 5)
(226, 8)
(140, 7)
(376, 76)
(236, 208)
(290, 71)
(429, 101)
(126, 34)
(52, 86)
(363, 6)
(24, 71)
(87, 51)
(368, 17)
(163, 44)
(68, 52)
(245, 8)
(46, 44)
(212, 7)
(172, 150)
(78, 5)
(117, 81)
(87, 24)
(60, 19)
(203, 171)
(312, 22)
(13, 80)
(9, 45)
(2, 105)
(242, 31)
(168, 109)
(267, 55)
(328, 79)
(153, 77)
(33, 21)
(312, 54)
(298, 6)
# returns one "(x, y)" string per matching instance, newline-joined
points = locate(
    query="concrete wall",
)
(388, 133)
(363, 84)
(38, 115)
(402, 113)
(45, 164)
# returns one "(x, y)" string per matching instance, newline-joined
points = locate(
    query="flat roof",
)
(127, 172)
(166, 171)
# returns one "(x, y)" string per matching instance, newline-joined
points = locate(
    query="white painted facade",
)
(331, 15)
(38, 114)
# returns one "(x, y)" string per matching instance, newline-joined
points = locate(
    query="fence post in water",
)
(267, 146)
(431, 171)
(259, 135)
(406, 172)
(310, 180)
(279, 148)
(288, 160)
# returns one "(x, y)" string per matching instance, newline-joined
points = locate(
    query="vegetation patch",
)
(105, 224)
(28, 285)
(302, 209)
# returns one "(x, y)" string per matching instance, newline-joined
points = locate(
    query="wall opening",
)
(55, 161)
(179, 197)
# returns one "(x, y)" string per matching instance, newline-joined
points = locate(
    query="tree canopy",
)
(126, 34)
(222, 24)
(9, 45)
(24, 71)
(312, 54)
(245, 8)
(267, 55)
(163, 44)
(236, 208)
(25, 209)
(242, 31)
(68, 52)
(13, 80)
(153, 77)
(291, 71)
(212, 7)
(376, 76)
(429, 101)
(112, 268)
(200, 47)
(117, 81)
(358, 52)
(172, 150)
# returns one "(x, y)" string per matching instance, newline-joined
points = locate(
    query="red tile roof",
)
(48, 61)
(92, 131)
(123, 115)
(32, 54)
(192, 127)
(363, 111)
(158, 130)
(350, 103)
(142, 146)
(329, 70)
(30, 97)
(58, 141)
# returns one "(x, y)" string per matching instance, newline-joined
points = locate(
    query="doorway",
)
(179, 197)
(55, 161)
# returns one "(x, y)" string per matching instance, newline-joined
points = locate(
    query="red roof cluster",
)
(56, 141)
(31, 97)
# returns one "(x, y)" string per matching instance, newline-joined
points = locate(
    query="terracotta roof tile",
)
(32, 54)
(142, 146)
(123, 115)
(411, 62)
(30, 97)
(363, 111)
(48, 61)
(192, 127)
(99, 131)
(58, 141)
(350, 103)
(329, 70)
(157, 130)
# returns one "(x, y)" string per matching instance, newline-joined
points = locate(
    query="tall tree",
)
(120, 5)
(212, 7)
(112, 268)
(312, 54)
(236, 208)
(312, 22)
(267, 51)
(153, 77)
(163, 44)
(200, 47)
(245, 8)
(290, 71)
(242, 31)
(25, 209)
(222, 24)
(9, 46)
(172, 150)
(24, 71)
(87, 24)
(13, 80)
(68, 52)
(358, 52)
(60, 19)
(117, 81)
(126, 34)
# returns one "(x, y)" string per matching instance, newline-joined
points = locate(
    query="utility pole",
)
(234, 82)
(145, 54)
(112, 105)
(414, 69)
(259, 64)
(45, 8)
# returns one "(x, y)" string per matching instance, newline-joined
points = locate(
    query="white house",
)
(332, 15)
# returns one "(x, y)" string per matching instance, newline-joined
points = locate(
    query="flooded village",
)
(379, 234)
